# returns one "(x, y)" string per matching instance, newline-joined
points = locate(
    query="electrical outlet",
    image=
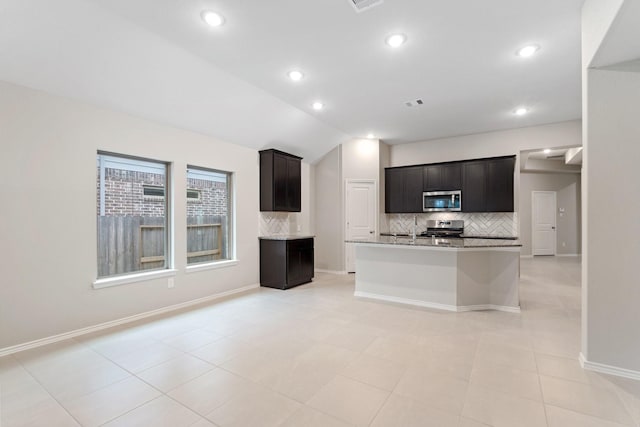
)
(564, 244)
(171, 282)
(299, 228)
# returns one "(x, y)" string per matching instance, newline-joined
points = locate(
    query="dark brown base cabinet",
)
(286, 263)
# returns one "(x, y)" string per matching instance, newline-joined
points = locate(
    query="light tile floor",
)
(317, 356)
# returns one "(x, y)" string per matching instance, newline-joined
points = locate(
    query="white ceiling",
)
(157, 59)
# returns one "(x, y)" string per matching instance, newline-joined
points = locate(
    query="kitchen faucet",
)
(415, 227)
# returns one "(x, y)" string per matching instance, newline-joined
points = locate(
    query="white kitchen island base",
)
(455, 279)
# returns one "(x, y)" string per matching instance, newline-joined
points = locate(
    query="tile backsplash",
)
(271, 223)
(498, 224)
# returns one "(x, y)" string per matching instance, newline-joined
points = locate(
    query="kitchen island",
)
(452, 274)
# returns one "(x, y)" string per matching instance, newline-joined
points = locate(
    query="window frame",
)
(192, 171)
(104, 158)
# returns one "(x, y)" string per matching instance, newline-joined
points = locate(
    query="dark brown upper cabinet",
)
(500, 184)
(474, 186)
(280, 182)
(442, 177)
(403, 190)
(486, 184)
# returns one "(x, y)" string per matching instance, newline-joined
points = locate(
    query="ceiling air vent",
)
(414, 103)
(362, 5)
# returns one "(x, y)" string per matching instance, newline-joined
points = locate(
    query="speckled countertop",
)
(286, 237)
(440, 242)
(463, 236)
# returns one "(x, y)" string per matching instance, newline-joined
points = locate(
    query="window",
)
(132, 215)
(209, 216)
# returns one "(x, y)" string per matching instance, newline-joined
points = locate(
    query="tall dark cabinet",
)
(280, 181)
(286, 262)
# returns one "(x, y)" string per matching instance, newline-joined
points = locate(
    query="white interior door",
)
(360, 203)
(544, 222)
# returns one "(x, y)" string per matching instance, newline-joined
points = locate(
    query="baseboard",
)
(569, 255)
(480, 307)
(322, 270)
(106, 325)
(526, 256)
(435, 305)
(608, 369)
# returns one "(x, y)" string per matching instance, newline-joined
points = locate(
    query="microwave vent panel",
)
(414, 103)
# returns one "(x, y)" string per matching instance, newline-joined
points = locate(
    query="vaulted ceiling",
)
(159, 60)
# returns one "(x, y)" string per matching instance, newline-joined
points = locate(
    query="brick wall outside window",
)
(124, 195)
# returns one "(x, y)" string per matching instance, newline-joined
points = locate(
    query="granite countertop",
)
(463, 236)
(441, 242)
(286, 237)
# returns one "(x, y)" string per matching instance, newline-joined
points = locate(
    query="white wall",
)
(490, 144)
(611, 288)
(356, 159)
(611, 126)
(385, 162)
(361, 159)
(48, 219)
(568, 224)
(329, 246)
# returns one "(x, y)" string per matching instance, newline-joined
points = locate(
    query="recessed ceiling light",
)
(317, 105)
(295, 75)
(528, 51)
(520, 111)
(212, 19)
(396, 40)
(547, 150)
(371, 136)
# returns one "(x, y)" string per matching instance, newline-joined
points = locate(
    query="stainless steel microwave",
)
(442, 201)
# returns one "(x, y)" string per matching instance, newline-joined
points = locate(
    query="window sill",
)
(132, 278)
(211, 265)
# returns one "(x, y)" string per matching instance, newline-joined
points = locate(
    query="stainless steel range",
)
(444, 228)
